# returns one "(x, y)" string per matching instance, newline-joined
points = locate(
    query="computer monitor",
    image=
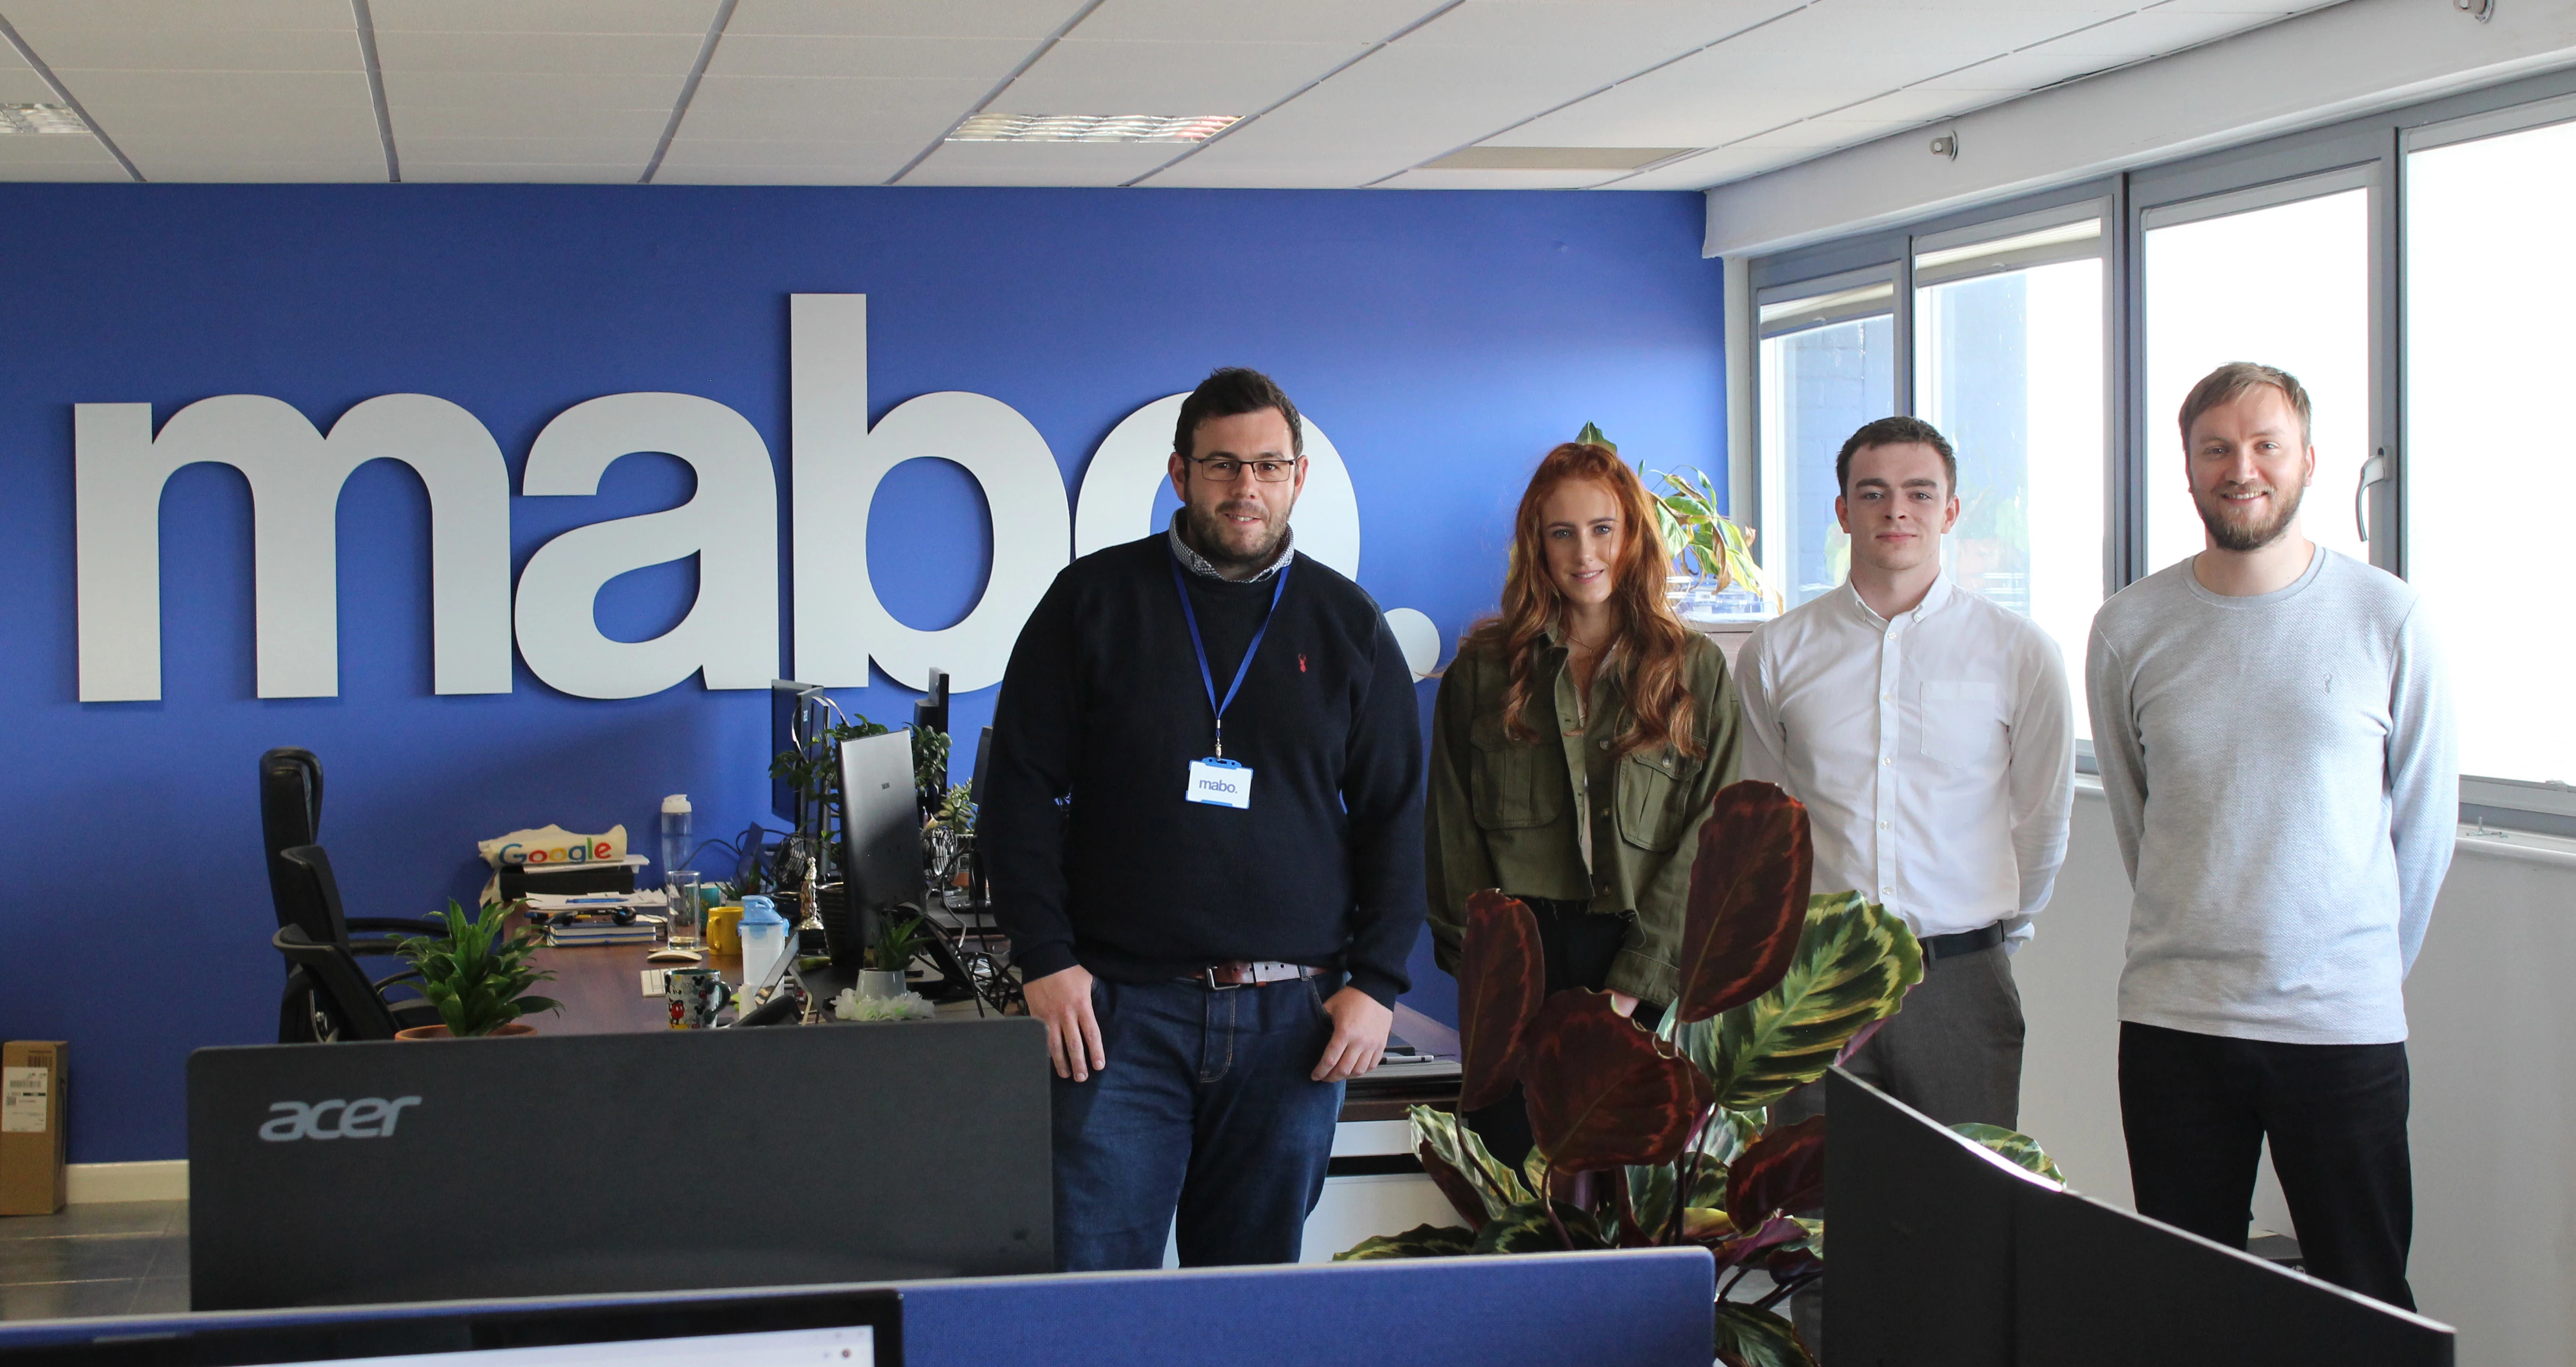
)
(982, 887)
(2105, 1287)
(880, 823)
(579, 1164)
(1920, 1259)
(859, 1328)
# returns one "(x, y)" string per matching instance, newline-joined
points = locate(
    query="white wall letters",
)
(295, 475)
(731, 524)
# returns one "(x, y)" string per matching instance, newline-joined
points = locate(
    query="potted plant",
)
(476, 975)
(897, 941)
(1716, 550)
(1665, 1138)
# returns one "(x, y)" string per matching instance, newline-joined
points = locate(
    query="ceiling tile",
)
(2153, 32)
(547, 173)
(406, 90)
(484, 120)
(19, 84)
(138, 15)
(890, 153)
(1026, 19)
(1038, 163)
(1497, 180)
(869, 174)
(210, 94)
(691, 17)
(197, 172)
(68, 49)
(54, 149)
(765, 107)
(1711, 168)
(984, 59)
(1254, 21)
(605, 54)
(1077, 77)
(104, 168)
(521, 150)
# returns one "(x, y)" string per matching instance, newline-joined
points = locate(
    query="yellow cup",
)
(724, 929)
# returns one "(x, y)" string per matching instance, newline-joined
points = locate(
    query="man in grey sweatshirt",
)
(2275, 738)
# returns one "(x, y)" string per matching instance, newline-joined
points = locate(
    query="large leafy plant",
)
(1665, 1138)
(476, 975)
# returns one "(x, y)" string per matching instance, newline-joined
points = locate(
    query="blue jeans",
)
(1205, 1107)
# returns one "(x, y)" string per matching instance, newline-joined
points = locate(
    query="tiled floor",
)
(123, 1258)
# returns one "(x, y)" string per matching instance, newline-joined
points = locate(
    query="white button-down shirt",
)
(1935, 753)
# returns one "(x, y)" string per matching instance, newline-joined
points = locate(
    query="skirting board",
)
(97, 1183)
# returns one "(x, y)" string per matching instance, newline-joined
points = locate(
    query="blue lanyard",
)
(1207, 679)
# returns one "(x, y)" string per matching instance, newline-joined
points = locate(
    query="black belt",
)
(1965, 942)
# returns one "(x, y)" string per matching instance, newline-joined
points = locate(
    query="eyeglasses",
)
(1226, 469)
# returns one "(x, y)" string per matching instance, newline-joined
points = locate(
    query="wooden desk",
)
(601, 988)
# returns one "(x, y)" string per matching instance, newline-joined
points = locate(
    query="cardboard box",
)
(33, 1146)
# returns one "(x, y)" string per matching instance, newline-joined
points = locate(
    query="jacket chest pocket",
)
(1654, 790)
(1510, 787)
(1962, 722)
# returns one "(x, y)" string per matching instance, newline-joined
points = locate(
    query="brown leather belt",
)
(1250, 972)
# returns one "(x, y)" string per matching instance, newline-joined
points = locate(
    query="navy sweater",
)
(1094, 856)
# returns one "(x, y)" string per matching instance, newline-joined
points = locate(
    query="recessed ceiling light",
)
(40, 118)
(1093, 127)
(1552, 158)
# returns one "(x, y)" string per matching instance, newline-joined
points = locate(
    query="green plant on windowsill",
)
(1703, 540)
(476, 975)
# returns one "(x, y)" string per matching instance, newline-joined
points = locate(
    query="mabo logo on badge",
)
(366, 1118)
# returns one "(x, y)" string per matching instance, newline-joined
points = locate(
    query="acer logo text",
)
(366, 1118)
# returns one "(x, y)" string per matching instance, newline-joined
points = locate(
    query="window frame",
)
(2365, 151)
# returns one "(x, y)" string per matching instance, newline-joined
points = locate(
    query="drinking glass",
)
(686, 912)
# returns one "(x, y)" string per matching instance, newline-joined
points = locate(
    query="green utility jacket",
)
(1502, 814)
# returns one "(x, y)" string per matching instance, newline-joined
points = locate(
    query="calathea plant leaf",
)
(1421, 1241)
(1650, 1196)
(1603, 1093)
(1748, 896)
(2019, 1149)
(1501, 979)
(1746, 1245)
(1748, 1336)
(1527, 1229)
(1782, 1174)
(1448, 1138)
(1462, 1194)
(1853, 966)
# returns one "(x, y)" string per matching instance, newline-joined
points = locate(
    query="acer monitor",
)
(343, 1174)
(847, 1328)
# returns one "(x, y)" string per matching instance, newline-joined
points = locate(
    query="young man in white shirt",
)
(1930, 734)
(2275, 736)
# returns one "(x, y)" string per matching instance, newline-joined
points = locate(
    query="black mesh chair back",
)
(290, 814)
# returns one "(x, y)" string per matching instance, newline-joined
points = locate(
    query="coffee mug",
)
(695, 995)
(724, 929)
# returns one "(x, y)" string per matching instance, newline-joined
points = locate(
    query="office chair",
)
(328, 997)
(290, 814)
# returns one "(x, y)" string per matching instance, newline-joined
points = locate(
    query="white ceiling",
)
(1334, 93)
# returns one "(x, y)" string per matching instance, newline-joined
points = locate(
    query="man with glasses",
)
(2275, 739)
(1204, 835)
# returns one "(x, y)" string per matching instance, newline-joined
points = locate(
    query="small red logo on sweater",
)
(1301, 664)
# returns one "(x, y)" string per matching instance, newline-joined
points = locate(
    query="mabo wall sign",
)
(729, 635)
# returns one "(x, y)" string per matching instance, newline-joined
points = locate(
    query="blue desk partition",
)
(1645, 1308)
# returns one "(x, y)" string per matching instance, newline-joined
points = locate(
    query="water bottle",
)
(764, 940)
(675, 833)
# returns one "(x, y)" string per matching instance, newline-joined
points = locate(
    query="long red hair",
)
(1648, 648)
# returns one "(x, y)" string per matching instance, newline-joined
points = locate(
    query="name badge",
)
(1220, 783)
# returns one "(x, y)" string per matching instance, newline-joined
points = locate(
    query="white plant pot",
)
(874, 983)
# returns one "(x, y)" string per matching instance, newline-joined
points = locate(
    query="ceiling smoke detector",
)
(40, 118)
(1093, 127)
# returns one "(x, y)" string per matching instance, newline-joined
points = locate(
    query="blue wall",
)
(1443, 341)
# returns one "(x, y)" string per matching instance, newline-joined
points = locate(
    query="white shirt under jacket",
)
(1935, 753)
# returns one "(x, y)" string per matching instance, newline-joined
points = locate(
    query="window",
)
(1828, 366)
(2287, 285)
(2008, 357)
(2488, 358)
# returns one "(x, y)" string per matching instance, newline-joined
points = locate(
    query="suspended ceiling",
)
(1416, 94)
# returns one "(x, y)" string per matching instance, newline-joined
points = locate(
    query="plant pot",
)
(422, 1032)
(875, 983)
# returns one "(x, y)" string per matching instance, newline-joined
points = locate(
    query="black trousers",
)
(1578, 947)
(2197, 1109)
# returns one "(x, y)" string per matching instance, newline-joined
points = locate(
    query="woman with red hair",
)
(1580, 736)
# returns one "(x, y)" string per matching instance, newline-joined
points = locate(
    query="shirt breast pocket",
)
(1654, 785)
(1509, 787)
(1962, 722)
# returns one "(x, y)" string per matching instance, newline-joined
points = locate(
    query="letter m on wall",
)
(295, 475)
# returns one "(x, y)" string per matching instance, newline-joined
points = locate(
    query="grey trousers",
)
(1953, 1053)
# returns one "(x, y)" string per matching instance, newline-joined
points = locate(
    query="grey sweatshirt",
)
(2285, 786)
